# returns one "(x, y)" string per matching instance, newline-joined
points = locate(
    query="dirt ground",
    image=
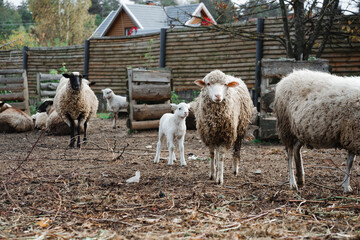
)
(49, 191)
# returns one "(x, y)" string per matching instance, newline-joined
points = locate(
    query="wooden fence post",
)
(86, 59)
(162, 47)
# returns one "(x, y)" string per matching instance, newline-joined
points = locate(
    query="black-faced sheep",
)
(14, 120)
(75, 101)
(222, 110)
(114, 103)
(173, 128)
(318, 110)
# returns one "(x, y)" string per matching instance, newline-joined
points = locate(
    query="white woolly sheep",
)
(39, 119)
(222, 111)
(75, 101)
(318, 110)
(13, 119)
(114, 103)
(173, 127)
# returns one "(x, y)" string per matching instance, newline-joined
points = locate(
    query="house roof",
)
(181, 13)
(100, 31)
(149, 18)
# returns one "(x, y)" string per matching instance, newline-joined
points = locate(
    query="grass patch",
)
(104, 115)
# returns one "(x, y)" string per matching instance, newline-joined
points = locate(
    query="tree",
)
(25, 14)
(102, 8)
(9, 19)
(312, 23)
(62, 22)
(221, 10)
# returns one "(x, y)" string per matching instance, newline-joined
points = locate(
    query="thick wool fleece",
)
(14, 120)
(319, 109)
(220, 124)
(74, 103)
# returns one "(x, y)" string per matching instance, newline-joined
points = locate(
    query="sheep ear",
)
(200, 82)
(173, 106)
(233, 84)
(1, 104)
(66, 75)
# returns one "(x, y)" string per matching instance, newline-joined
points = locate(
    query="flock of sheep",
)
(315, 109)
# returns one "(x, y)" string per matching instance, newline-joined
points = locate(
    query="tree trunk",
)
(299, 45)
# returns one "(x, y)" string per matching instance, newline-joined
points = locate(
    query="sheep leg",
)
(85, 127)
(72, 131)
(115, 119)
(349, 162)
(236, 156)
(182, 152)
(220, 167)
(79, 131)
(158, 148)
(300, 173)
(212, 165)
(171, 150)
(292, 180)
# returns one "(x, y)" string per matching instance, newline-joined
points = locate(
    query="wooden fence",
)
(190, 53)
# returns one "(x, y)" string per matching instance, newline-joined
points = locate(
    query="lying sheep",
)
(173, 127)
(14, 120)
(222, 110)
(75, 101)
(39, 120)
(114, 103)
(318, 110)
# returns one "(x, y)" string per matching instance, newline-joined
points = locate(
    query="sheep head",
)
(215, 85)
(75, 80)
(107, 93)
(181, 109)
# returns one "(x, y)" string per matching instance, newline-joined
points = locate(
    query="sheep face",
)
(44, 107)
(75, 80)
(107, 93)
(215, 85)
(181, 110)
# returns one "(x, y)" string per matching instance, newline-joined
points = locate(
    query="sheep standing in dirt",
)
(114, 102)
(14, 120)
(173, 127)
(318, 110)
(222, 110)
(75, 101)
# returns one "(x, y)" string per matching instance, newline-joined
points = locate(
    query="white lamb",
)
(39, 119)
(75, 101)
(173, 127)
(318, 110)
(222, 110)
(114, 103)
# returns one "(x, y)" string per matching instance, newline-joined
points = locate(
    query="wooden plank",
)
(12, 87)
(142, 125)
(49, 86)
(11, 71)
(47, 94)
(19, 105)
(151, 76)
(151, 92)
(7, 80)
(49, 77)
(146, 111)
(12, 97)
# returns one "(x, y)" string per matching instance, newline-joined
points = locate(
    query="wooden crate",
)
(14, 88)
(149, 94)
(46, 85)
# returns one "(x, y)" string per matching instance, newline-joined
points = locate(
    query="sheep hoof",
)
(347, 189)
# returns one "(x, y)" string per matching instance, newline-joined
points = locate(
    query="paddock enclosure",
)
(49, 191)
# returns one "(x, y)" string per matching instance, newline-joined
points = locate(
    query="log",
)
(151, 76)
(12, 87)
(142, 125)
(147, 112)
(19, 105)
(12, 97)
(151, 92)
(48, 93)
(6, 80)
(49, 85)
